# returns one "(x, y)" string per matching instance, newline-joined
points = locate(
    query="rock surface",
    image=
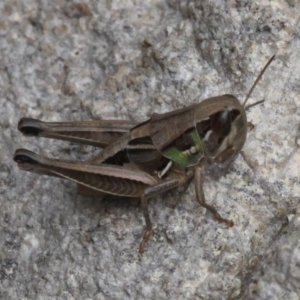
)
(66, 60)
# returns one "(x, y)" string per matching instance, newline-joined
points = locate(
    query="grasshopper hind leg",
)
(201, 198)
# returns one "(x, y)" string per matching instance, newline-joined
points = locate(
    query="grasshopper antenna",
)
(254, 84)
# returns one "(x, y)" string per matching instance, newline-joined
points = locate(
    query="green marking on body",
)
(188, 157)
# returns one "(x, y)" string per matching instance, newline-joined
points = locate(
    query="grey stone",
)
(127, 60)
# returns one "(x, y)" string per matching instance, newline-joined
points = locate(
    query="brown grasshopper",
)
(146, 159)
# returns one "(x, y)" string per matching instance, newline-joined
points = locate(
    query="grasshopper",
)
(141, 160)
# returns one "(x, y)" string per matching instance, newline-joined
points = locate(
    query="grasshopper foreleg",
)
(201, 198)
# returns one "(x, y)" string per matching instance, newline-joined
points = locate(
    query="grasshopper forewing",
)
(146, 159)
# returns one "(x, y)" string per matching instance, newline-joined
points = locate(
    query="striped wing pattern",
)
(116, 180)
(107, 184)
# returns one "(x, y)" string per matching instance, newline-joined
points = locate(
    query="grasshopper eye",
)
(221, 122)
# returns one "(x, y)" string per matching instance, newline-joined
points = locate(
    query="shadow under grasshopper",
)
(146, 159)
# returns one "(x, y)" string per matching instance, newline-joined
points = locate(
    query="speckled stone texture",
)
(65, 60)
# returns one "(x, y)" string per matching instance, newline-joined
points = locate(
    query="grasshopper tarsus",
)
(147, 235)
(218, 218)
(230, 223)
(216, 215)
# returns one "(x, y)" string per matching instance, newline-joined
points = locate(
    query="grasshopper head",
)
(224, 131)
(226, 128)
